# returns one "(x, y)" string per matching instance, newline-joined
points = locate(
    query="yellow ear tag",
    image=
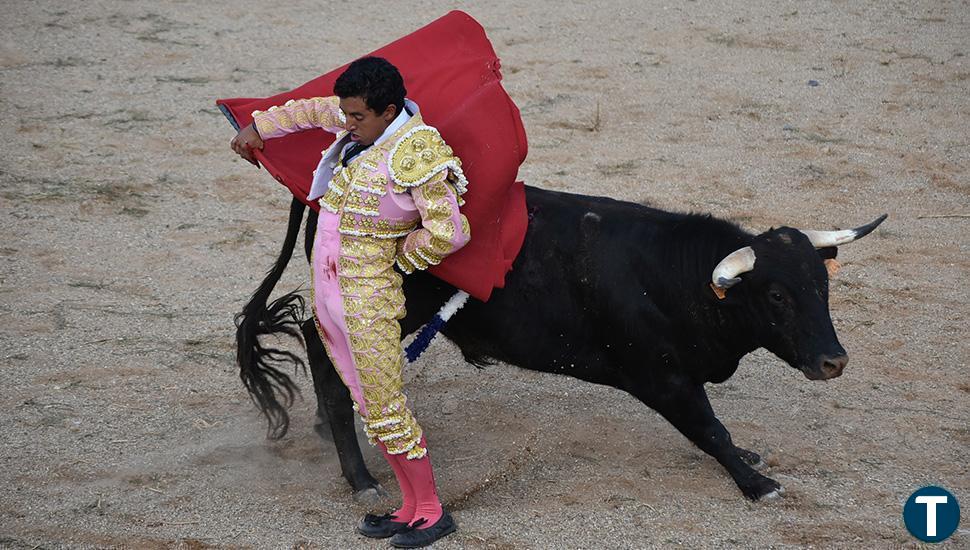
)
(718, 291)
(832, 266)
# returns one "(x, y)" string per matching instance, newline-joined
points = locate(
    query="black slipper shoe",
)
(380, 527)
(412, 537)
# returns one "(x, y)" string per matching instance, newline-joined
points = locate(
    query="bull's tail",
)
(270, 388)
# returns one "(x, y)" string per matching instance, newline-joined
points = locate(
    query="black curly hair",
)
(375, 80)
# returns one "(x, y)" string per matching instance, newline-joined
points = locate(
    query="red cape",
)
(451, 71)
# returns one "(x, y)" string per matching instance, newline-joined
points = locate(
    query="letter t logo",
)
(930, 502)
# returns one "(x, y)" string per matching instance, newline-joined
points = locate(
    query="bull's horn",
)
(822, 239)
(726, 273)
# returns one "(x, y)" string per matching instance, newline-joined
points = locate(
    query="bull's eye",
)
(776, 297)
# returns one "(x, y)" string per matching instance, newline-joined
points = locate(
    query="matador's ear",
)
(390, 112)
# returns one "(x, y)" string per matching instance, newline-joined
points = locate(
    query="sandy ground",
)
(131, 236)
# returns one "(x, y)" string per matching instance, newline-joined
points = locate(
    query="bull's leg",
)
(752, 458)
(685, 405)
(334, 407)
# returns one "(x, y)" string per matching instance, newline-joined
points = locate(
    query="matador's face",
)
(363, 123)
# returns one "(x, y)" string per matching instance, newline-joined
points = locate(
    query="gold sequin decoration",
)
(264, 125)
(284, 120)
(362, 203)
(414, 160)
(380, 228)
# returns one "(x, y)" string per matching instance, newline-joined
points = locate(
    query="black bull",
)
(605, 291)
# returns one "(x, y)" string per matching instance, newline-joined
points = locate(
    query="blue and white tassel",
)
(432, 327)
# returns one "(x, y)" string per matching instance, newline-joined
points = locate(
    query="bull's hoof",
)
(751, 458)
(370, 495)
(774, 495)
(762, 488)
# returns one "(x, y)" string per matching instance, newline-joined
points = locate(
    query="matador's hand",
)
(245, 141)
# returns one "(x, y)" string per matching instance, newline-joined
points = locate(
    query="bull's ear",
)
(722, 297)
(832, 266)
(828, 253)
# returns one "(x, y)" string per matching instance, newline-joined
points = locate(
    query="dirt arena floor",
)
(131, 235)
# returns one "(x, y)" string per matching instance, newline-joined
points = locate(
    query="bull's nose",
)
(832, 367)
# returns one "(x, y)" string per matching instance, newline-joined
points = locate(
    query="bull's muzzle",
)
(827, 367)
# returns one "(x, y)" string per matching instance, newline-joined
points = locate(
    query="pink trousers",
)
(358, 301)
(328, 304)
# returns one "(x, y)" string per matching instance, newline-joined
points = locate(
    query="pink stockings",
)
(418, 491)
(405, 513)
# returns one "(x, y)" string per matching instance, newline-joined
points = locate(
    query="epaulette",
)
(421, 154)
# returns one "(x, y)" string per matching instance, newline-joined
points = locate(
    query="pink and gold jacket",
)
(408, 184)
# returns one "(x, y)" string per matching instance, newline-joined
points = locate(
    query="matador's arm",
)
(444, 229)
(297, 115)
(422, 163)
